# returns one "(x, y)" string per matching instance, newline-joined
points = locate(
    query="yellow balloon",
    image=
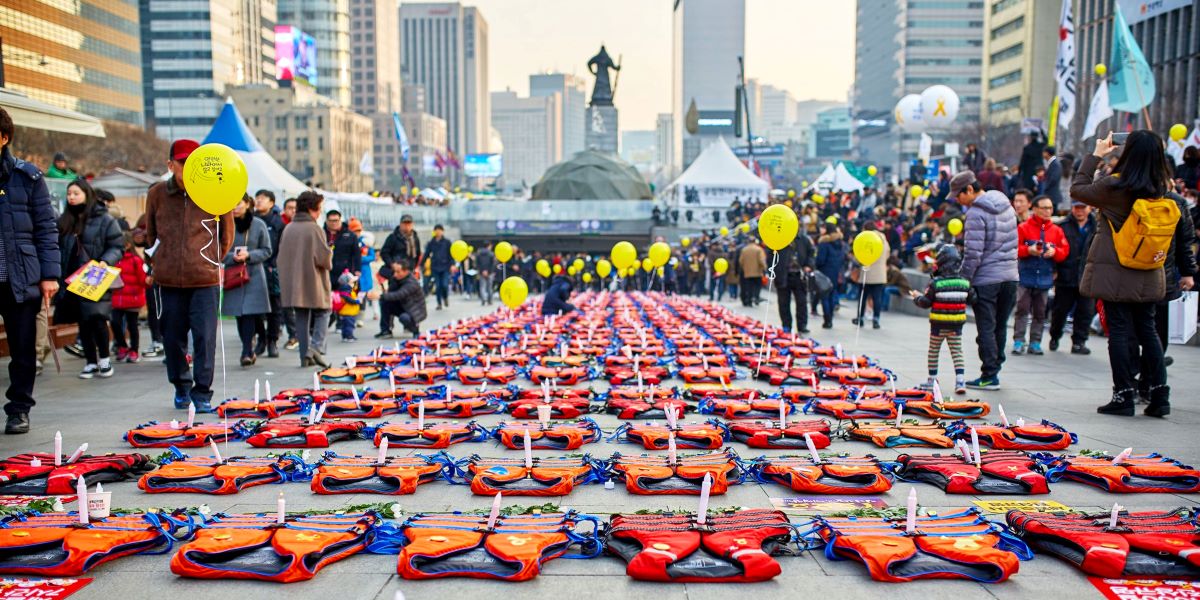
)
(868, 247)
(791, 193)
(603, 268)
(503, 252)
(685, 242)
(557, 269)
(513, 292)
(819, 199)
(543, 268)
(215, 178)
(745, 228)
(777, 226)
(661, 271)
(571, 271)
(647, 264)
(954, 226)
(720, 266)
(804, 183)
(459, 250)
(587, 277)
(1178, 131)
(659, 253)
(916, 191)
(1101, 69)
(623, 255)
(724, 231)
(578, 264)
(872, 170)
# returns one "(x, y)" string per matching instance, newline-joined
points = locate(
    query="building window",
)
(281, 122)
(944, 24)
(1005, 79)
(1003, 105)
(302, 143)
(1012, 51)
(302, 122)
(281, 144)
(1003, 5)
(1008, 27)
(320, 122)
(321, 143)
(960, 4)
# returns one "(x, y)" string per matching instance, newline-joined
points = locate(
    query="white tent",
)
(715, 179)
(837, 179)
(27, 112)
(265, 174)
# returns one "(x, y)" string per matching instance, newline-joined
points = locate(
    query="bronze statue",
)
(602, 94)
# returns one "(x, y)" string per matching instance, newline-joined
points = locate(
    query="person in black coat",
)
(30, 267)
(437, 253)
(402, 242)
(403, 299)
(1080, 229)
(796, 261)
(1031, 161)
(555, 302)
(268, 333)
(347, 249)
(1180, 272)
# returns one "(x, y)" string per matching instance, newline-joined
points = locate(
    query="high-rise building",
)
(328, 22)
(941, 43)
(375, 79)
(639, 147)
(189, 57)
(778, 107)
(830, 136)
(529, 129)
(876, 81)
(313, 137)
(664, 132)
(708, 37)
(443, 47)
(81, 55)
(574, 100)
(1020, 45)
(1168, 33)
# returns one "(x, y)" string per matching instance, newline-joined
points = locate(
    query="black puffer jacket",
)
(27, 228)
(802, 252)
(410, 296)
(101, 240)
(1079, 241)
(1181, 261)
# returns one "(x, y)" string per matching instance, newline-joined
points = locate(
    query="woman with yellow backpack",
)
(1125, 264)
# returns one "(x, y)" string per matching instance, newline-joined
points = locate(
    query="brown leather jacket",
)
(182, 231)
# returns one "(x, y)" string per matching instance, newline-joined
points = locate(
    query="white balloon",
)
(908, 114)
(939, 106)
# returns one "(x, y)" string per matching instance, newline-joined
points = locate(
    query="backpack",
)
(1144, 239)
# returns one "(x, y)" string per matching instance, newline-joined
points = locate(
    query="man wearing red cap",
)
(182, 240)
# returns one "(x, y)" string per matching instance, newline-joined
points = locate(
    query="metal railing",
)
(386, 216)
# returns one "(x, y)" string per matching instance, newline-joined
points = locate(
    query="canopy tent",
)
(714, 180)
(265, 174)
(837, 179)
(27, 112)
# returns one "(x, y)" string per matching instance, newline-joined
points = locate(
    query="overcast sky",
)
(805, 46)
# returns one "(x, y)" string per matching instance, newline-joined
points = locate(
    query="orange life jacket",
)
(1150, 473)
(364, 408)
(887, 435)
(711, 355)
(653, 475)
(713, 373)
(561, 375)
(560, 407)
(692, 436)
(397, 475)
(620, 375)
(1037, 436)
(18, 476)
(948, 409)
(461, 407)
(769, 434)
(547, 476)
(256, 547)
(156, 435)
(204, 475)
(306, 396)
(427, 375)
(729, 547)
(554, 436)
(648, 408)
(999, 472)
(434, 436)
(759, 408)
(781, 374)
(833, 360)
(497, 374)
(355, 374)
(838, 475)
(57, 545)
(299, 433)
(235, 408)
(855, 376)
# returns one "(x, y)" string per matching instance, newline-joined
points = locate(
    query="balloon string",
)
(862, 302)
(214, 235)
(766, 310)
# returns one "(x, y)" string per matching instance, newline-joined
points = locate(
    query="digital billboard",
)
(295, 55)
(483, 165)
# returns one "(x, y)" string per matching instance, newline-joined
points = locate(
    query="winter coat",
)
(485, 262)
(27, 228)
(805, 257)
(410, 296)
(366, 282)
(183, 230)
(990, 241)
(876, 273)
(752, 261)
(990, 180)
(304, 263)
(974, 161)
(555, 301)
(831, 255)
(274, 222)
(437, 252)
(133, 274)
(1181, 260)
(347, 252)
(395, 247)
(101, 240)
(1104, 278)
(1052, 185)
(1034, 271)
(253, 298)
(1189, 173)
(1080, 239)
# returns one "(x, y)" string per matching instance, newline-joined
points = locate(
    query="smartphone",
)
(1119, 138)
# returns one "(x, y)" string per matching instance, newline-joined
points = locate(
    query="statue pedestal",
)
(601, 128)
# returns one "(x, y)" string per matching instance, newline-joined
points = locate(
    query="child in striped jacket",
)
(946, 298)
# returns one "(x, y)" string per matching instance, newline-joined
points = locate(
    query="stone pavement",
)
(1059, 386)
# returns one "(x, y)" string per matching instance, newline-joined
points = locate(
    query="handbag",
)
(821, 283)
(236, 276)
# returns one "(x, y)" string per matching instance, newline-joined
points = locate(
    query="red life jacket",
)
(656, 408)
(57, 545)
(19, 477)
(730, 547)
(463, 406)
(620, 375)
(691, 436)
(554, 436)
(769, 434)
(734, 409)
(355, 374)
(156, 435)
(402, 396)
(256, 547)
(947, 409)
(855, 376)
(561, 375)
(266, 409)
(781, 370)
(956, 546)
(833, 360)
(653, 475)
(713, 374)
(561, 406)
(299, 433)
(999, 472)
(365, 408)
(1152, 544)
(547, 476)
(886, 435)
(398, 475)
(428, 375)
(497, 374)
(838, 475)
(204, 475)
(434, 436)
(1151, 473)
(1037, 436)
(873, 408)
(711, 355)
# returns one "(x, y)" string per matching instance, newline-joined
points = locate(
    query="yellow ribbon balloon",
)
(503, 252)
(542, 267)
(777, 226)
(603, 268)
(215, 178)
(647, 264)
(720, 266)
(868, 247)
(513, 292)
(587, 277)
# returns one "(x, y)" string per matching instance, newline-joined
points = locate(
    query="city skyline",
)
(521, 30)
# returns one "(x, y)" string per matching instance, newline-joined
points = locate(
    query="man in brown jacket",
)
(186, 254)
(752, 265)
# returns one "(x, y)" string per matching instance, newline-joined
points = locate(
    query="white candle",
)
(812, 448)
(1003, 417)
(1122, 456)
(910, 523)
(838, 350)
(392, 380)
(321, 412)
(316, 381)
(82, 494)
(99, 488)
(280, 509)
(528, 443)
(975, 446)
(421, 414)
(191, 415)
(175, 424)
(671, 457)
(704, 361)
(351, 362)
(893, 382)
(543, 411)
(216, 453)
(705, 490)
(383, 448)
(813, 382)
(256, 390)
(312, 413)
(639, 381)
(267, 384)
(491, 524)
(357, 398)
(724, 383)
(782, 414)
(1020, 422)
(964, 449)
(57, 448)
(937, 391)
(1112, 519)
(35, 462)
(899, 414)
(78, 453)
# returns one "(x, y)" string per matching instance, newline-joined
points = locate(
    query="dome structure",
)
(592, 175)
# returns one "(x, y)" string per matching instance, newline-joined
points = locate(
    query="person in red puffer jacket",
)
(128, 301)
(1041, 245)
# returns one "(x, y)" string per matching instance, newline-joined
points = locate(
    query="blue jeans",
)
(441, 287)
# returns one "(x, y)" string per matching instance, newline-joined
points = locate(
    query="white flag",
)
(366, 166)
(1064, 67)
(925, 150)
(1098, 112)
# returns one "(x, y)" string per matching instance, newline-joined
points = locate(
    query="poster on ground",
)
(811, 505)
(18, 587)
(1002, 506)
(1146, 589)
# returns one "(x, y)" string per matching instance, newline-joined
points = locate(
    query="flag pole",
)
(1145, 113)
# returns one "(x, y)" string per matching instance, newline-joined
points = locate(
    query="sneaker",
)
(202, 406)
(154, 351)
(874, 324)
(1035, 349)
(1018, 348)
(182, 402)
(1053, 344)
(105, 371)
(349, 339)
(88, 372)
(984, 383)
(960, 385)
(121, 354)
(132, 357)
(291, 344)
(74, 350)
(1079, 349)
(926, 385)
